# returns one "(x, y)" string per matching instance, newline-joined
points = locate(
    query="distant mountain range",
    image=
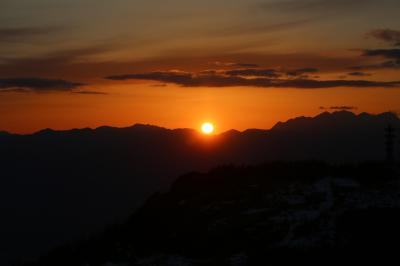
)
(57, 186)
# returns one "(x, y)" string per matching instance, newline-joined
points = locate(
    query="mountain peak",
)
(389, 116)
(343, 113)
(337, 115)
(335, 119)
(232, 132)
(4, 133)
(45, 131)
(146, 126)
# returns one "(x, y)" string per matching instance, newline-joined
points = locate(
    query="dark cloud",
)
(389, 36)
(392, 57)
(302, 71)
(253, 72)
(188, 79)
(340, 108)
(383, 65)
(343, 108)
(164, 76)
(37, 84)
(320, 84)
(91, 92)
(359, 74)
(17, 34)
(230, 64)
(384, 53)
(271, 73)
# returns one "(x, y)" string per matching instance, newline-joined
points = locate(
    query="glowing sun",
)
(207, 128)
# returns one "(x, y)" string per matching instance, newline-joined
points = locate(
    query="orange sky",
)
(176, 107)
(240, 64)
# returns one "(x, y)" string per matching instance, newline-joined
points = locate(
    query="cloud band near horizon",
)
(259, 78)
(26, 84)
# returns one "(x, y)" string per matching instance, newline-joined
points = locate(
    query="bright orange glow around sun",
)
(207, 128)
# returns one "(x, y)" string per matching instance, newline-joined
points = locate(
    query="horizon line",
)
(197, 130)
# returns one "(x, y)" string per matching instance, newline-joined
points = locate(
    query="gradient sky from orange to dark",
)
(238, 63)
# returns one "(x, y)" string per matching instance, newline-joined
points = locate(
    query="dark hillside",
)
(275, 212)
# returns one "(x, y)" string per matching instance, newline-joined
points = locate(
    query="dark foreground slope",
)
(56, 186)
(271, 214)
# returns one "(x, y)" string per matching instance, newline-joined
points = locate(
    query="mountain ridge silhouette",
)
(390, 116)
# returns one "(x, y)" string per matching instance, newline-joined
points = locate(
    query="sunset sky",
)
(177, 63)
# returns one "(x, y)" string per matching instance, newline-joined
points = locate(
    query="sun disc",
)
(207, 128)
